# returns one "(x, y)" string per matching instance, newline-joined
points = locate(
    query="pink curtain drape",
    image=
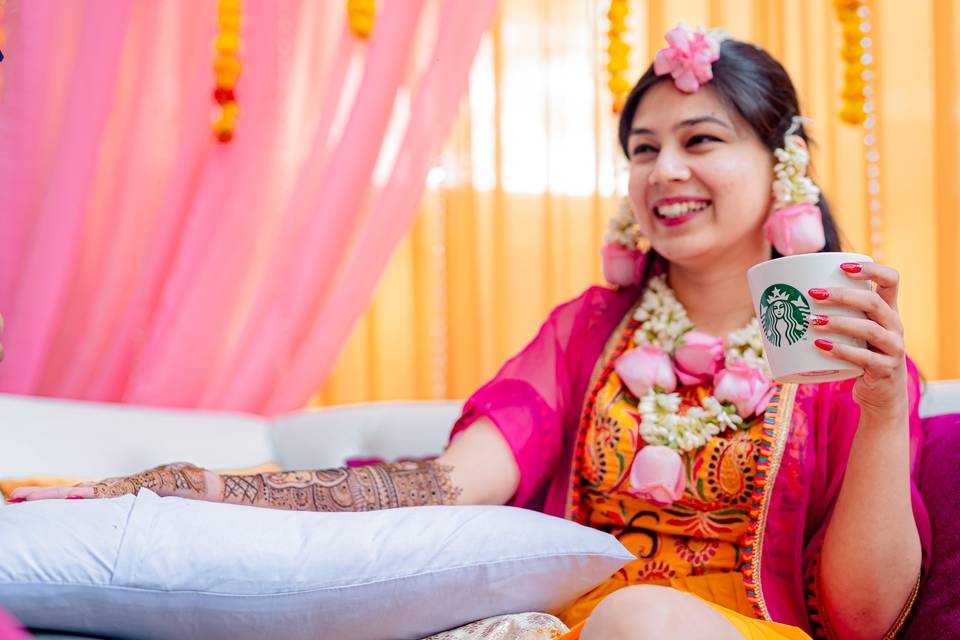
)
(143, 262)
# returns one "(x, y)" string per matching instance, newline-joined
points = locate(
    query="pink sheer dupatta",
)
(537, 396)
(536, 401)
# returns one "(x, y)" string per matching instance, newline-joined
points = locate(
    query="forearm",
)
(368, 488)
(871, 553)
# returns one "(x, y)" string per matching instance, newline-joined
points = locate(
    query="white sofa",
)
(42, 436)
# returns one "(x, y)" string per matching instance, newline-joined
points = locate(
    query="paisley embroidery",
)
(699, 533)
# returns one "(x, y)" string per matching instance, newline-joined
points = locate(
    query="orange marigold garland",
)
(361, 14)
(856, 57)
(227, 67)
(618, 52)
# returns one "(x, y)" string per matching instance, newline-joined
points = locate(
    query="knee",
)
(639, 611)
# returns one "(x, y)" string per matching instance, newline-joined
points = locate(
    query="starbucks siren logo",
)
(784, 314)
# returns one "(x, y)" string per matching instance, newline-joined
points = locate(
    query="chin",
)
(686, 253)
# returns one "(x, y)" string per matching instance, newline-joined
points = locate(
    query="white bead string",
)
(870, 146)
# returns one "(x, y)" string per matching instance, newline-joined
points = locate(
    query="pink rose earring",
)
(623, 260)
(796, 224)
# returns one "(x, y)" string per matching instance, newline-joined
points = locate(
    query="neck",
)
(717, 299)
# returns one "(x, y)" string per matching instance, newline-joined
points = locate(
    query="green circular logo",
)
(784, 315)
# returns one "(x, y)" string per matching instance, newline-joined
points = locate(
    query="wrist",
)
(884, 419)
(213, 486)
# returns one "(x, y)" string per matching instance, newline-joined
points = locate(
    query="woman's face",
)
(700, 178)
(779, 310)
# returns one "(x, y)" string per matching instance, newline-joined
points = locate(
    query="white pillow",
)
(154, 568)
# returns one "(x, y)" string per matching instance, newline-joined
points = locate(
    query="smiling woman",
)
(752, 508)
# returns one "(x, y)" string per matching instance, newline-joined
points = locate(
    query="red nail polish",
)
(819, 294)
(12, 500)
(852, 267)
(826, 345)
(819, 320)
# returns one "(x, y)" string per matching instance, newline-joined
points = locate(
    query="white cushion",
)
(155, 568)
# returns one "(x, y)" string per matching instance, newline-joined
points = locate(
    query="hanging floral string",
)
(856, 60)
(361, 14)
(227, 67)
(618, 52)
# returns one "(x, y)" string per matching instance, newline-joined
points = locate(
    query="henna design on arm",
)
(176, 478)
(369, 488)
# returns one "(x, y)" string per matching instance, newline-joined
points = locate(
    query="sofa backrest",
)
(940, 397)
(44, 436)
(329, 437)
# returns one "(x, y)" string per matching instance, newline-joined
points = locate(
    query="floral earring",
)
(796, 224)
(623, 260)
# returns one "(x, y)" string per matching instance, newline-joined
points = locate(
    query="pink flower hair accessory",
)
(796, 224)
(690, 56)
(623, 259)
(796, 229)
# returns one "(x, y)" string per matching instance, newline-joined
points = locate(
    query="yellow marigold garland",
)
(617, 51)
(361, 14)
(227, 67)
(855, 59)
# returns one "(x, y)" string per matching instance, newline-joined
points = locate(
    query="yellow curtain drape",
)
(515, 211)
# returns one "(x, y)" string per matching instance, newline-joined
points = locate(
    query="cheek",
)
(745, 188)
(637, 192)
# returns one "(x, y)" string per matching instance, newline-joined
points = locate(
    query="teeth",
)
(680, 208)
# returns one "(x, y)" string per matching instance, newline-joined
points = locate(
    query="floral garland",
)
(361, 15)
(792, 184)
(619, 52)
(855, 58)
(227, 68)
(622, 228)
(668, 348)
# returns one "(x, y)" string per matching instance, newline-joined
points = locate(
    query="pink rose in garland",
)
(644, 368)
(698, 357)
(657, 475)
(744, 386)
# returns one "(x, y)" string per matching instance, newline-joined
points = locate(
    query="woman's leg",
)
(648, 611)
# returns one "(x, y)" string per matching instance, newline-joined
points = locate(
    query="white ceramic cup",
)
(783, 306)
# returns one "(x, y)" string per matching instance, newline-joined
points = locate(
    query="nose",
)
(669, 167)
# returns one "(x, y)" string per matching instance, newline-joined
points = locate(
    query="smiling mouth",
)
(674, 210)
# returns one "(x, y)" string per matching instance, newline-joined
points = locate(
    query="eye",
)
(643, 148)
(701, 138)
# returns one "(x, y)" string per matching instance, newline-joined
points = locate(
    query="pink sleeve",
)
(839, 417)
(531, 399)
(835, 436)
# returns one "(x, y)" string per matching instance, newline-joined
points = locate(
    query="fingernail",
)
(819, 294)
(826, 345)
(852, 267)
(819, 320)
(74, 497)
(12, 500)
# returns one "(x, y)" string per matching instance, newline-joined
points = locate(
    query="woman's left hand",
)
(883, 386)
